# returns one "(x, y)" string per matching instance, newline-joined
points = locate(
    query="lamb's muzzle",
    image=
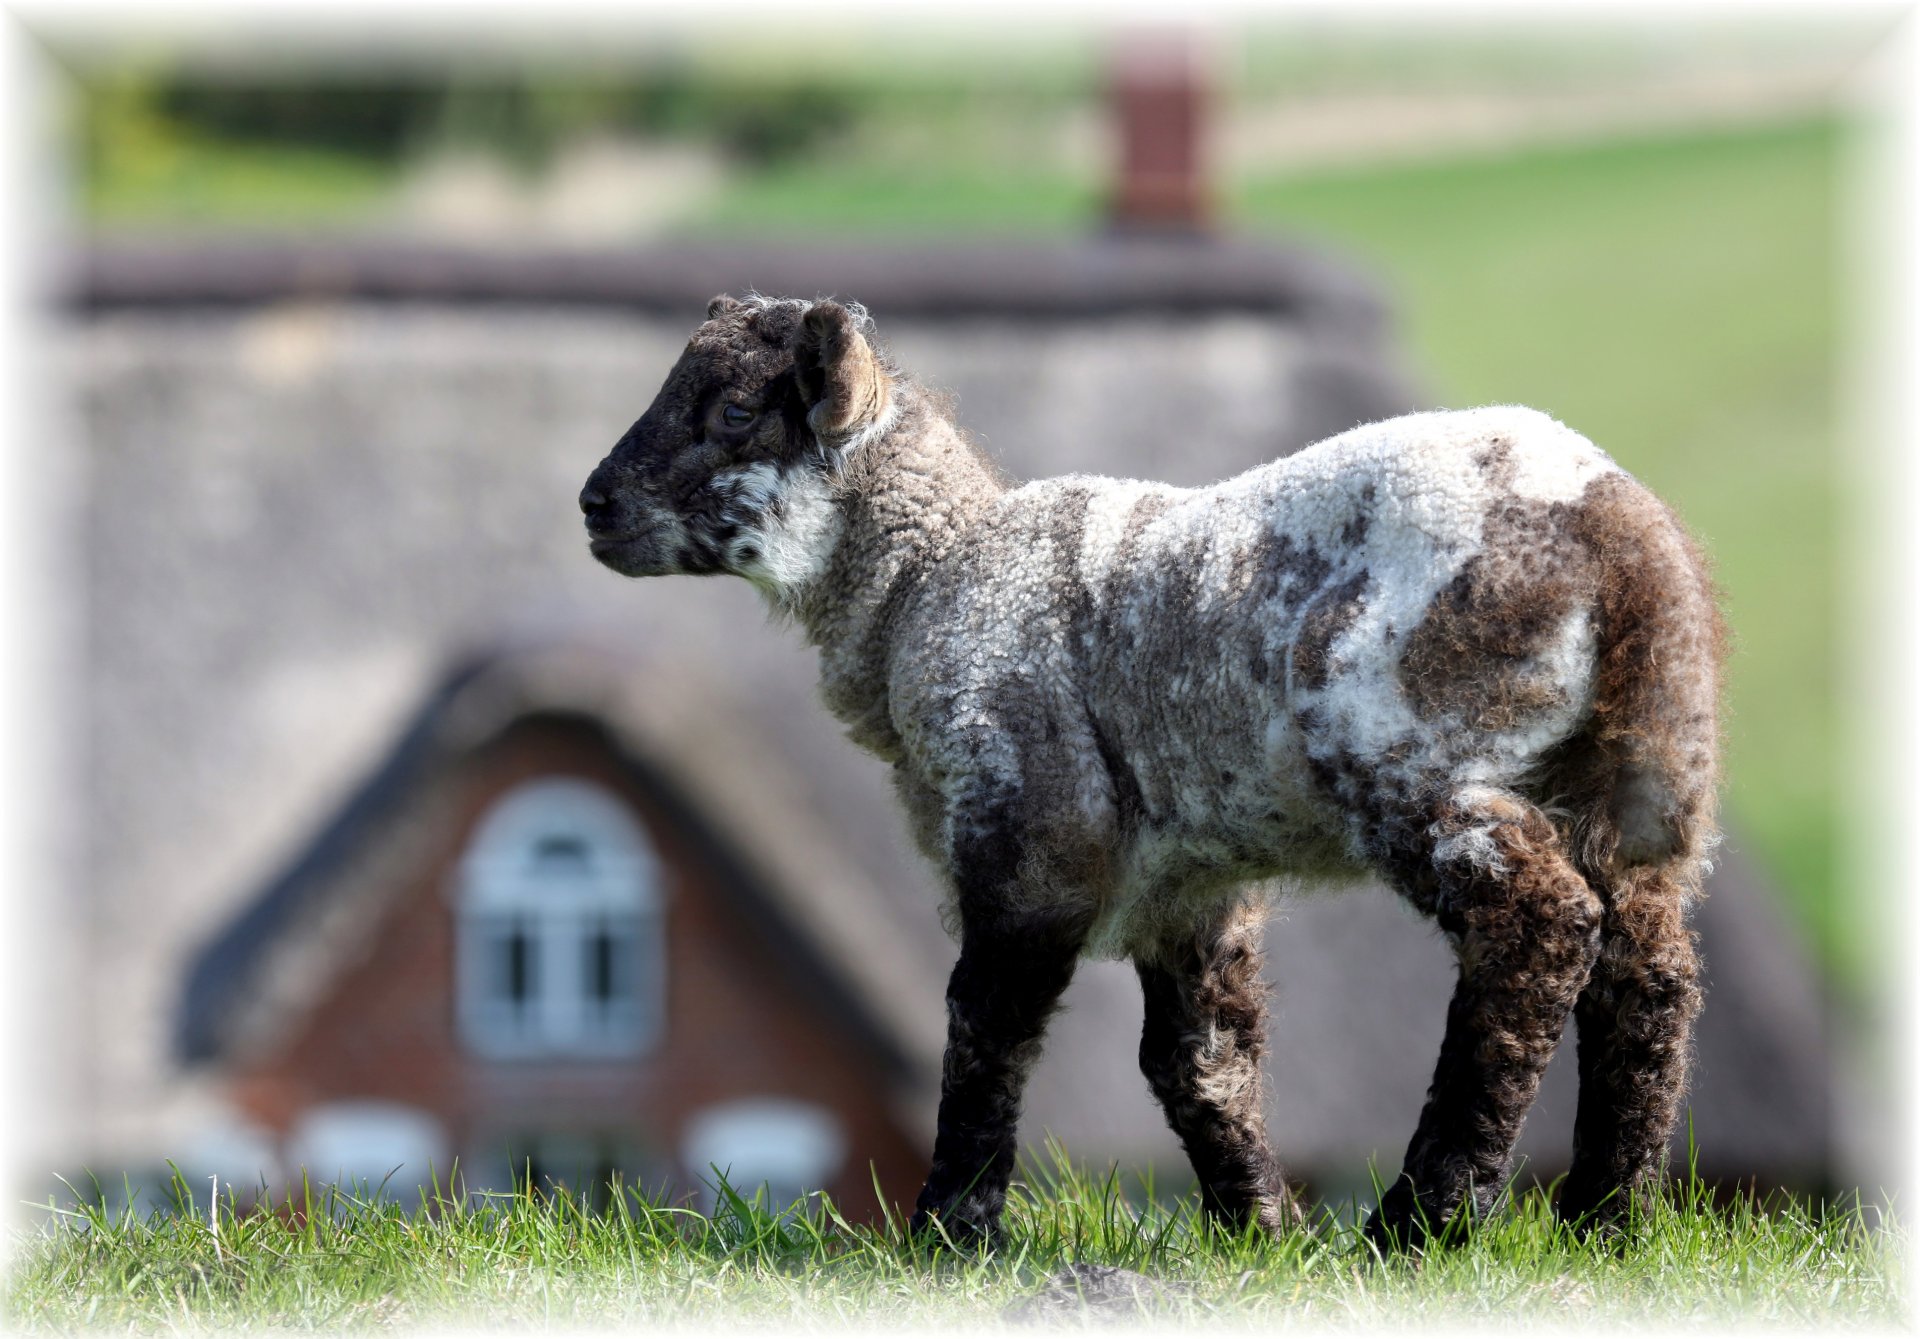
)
(1464, 652)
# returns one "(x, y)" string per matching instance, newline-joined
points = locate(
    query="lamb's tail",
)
(1645, 793)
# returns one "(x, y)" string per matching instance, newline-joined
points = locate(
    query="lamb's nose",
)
(592, 500)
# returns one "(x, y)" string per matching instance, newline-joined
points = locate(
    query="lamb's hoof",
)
(1598, 1219)
(973, 1233)
(1090, 1292)
(1283, 1213)
(1391, 1236)
(1400, 1225)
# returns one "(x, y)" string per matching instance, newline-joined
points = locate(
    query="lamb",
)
(1464, 652)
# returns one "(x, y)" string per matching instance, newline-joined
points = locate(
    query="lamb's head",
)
(735, 465)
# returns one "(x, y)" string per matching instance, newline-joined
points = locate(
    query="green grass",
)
(542, 1260)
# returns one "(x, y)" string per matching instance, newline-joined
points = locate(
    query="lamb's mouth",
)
(629, 553)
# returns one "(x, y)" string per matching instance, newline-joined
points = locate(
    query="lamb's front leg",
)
(1014, 965)
(1525, 926)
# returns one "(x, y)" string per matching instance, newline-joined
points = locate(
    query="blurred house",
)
(327, 486)
(521, 946)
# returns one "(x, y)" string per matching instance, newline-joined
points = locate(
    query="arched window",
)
(560, 927)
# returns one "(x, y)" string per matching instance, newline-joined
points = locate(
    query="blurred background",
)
(406, 834)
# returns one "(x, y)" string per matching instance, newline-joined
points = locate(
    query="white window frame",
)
(508, 879)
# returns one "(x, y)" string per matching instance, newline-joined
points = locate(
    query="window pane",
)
(561, 855)
(610, 977)
(520, 979)
(611, 950)
(600, 952)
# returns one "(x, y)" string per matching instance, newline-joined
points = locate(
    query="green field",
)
(192, 183)
(539, 1260)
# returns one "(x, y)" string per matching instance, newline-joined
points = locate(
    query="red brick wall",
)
(739, 1021)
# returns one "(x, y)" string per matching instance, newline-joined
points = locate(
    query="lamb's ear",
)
(845, 387)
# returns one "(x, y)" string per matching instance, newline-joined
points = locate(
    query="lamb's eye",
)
(736, 417)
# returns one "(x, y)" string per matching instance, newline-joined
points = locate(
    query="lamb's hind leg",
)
(1635, 1020)
(1525, 927)
(1200, 1050)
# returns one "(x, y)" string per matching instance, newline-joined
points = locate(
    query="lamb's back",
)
(1193, 625)
(1176, 673)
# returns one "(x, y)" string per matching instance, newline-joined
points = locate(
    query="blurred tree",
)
(374, 117)
(134, 110)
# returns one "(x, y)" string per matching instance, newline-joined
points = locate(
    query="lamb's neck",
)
(909, 499)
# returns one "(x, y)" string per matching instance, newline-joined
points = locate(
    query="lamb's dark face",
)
(731, 469)
(684, 489)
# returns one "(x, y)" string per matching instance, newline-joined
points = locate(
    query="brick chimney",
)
(1160, 98)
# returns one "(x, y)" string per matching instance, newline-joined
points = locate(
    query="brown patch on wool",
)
(1065, 532)
(1149, 508)
(1329, 614)
(1286, 568)
(1639, 780)
(1496, 465)
(1353, 532)
(1475, 653)
(1200, 1049)
(1123, 584)
(1274, 576)
(1526, 929)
